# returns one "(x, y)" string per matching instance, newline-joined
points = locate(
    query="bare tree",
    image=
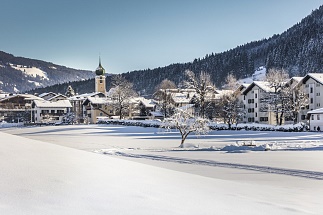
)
(231, 82)
(164, 96)
(277, 98)
(121, 94)
(202, 84)
(297, 99)
(186, 124)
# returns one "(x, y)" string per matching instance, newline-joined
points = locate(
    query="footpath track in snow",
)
(274, 170)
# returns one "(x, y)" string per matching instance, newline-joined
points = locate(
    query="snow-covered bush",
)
(212, 126)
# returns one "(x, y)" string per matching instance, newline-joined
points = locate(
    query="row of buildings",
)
(310, 85)
(86, 108)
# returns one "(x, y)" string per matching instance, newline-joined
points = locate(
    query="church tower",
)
(100, 79)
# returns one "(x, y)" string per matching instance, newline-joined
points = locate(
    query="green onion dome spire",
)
(100, 70)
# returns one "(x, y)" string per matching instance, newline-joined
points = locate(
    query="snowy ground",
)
(101, 177)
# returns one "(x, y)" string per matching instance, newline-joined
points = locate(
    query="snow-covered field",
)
(108, 169)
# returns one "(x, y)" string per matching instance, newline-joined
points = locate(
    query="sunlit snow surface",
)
(95, 173)
(33, 71)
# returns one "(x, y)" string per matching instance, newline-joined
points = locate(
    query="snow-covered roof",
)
(264, 85)
(25, 96)
(241, 88)
(298, 79)
(57, 96)
(49, 104)
(47, 94)
(316, 76)
(319, 110)
(98, 100)
(86, 95)
(186, 107)
(222, 92)
(147, 102)
(156, 113)
(182, 97)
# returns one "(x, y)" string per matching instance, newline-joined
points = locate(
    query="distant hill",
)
(298, 50)
(19, 74)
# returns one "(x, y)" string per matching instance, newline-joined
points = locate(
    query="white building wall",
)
(314, 90)
(40, 117)
(316, 122)
(253, 107)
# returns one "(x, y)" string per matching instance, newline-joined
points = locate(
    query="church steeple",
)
(100, 70)
(100, 78)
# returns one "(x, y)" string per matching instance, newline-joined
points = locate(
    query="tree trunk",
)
(280, 119)
(120, 112)
(295, 117)
(183, 140)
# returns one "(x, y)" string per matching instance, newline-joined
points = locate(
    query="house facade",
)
(255, 105)
(315, 118)
(17, 107)
(50, 112)
(312, 85)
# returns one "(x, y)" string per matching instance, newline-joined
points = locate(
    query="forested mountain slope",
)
(18, 74)
(298, 50)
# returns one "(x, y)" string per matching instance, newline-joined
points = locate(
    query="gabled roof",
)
(264, 85)
(182, 97)
(86, 95)
(49, 104)
(319, 110)
(59, 95)
(298, 79)
(316, 76)
(25, 96)
(47, 94)
(147, 102)
(96, 100)
(241, 88)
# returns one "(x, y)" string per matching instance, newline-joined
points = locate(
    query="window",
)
(312, 117)
(45, 111)
(263, 119)
(303, 117)
(311, 90)
(255, 95)
(251, 119)
(311, 100)
(256, 115)
(318, 84)
(256, 105)
(317, 94)
(244, 97)
(318, 116)
(52, 111)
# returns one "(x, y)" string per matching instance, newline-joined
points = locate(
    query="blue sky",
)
(139, 34)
